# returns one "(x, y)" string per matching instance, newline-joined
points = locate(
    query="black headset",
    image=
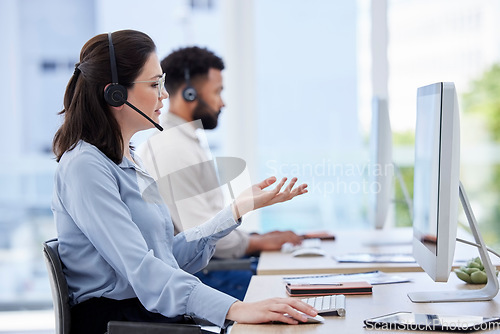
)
(115, 94)
(189, 93)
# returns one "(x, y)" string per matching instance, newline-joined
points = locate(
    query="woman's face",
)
(144, 95)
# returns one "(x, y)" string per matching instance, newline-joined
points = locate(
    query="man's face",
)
(209, 102)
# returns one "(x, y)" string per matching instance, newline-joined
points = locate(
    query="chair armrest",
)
(131, 327)
(230, 264)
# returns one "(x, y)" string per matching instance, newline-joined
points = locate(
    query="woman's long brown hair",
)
(87, 116)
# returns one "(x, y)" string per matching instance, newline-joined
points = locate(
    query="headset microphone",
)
(158, 126)
(115, 94)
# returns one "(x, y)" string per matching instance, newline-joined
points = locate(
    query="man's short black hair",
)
(197, 60)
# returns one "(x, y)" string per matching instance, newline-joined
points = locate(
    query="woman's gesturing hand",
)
(257, 197)
(271, 310)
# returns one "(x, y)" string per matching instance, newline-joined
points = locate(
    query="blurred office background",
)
(299, 80)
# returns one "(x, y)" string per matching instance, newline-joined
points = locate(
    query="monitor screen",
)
(426, 178)
(436, 179)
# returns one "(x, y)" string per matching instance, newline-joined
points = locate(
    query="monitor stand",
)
(488, 292)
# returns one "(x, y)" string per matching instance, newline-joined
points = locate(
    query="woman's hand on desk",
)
(256, 197)
(270, 310)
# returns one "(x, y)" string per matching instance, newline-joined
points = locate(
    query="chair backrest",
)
(58, 285)
(60, 297)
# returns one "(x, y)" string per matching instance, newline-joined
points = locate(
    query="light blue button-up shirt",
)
(117, 241)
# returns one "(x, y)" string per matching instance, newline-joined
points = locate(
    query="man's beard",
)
(208, 116)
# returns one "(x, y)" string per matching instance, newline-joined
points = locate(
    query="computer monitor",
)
(436, 178)
(436, 194)
(382, 168)
(384, 172)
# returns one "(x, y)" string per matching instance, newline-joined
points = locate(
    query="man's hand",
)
(270, 310)
(271, 241)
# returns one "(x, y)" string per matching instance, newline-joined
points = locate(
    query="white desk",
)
(386, 299)
(354, 241)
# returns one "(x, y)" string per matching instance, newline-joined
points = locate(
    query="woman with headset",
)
(116, 240)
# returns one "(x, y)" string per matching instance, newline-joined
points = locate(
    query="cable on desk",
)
(476, 245)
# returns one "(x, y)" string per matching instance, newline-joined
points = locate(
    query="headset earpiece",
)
(115, 94)
(189, 93)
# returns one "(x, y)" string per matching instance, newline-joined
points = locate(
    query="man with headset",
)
(194, 82)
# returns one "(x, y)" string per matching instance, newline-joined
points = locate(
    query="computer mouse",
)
(315, 320)
(288, 247)
(311, 320)
(308, 252)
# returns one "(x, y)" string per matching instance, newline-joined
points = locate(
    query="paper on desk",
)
(372, 277)
(375, 258)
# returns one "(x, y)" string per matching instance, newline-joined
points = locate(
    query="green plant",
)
(473, 272)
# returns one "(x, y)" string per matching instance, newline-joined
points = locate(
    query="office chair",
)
(60, 297)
